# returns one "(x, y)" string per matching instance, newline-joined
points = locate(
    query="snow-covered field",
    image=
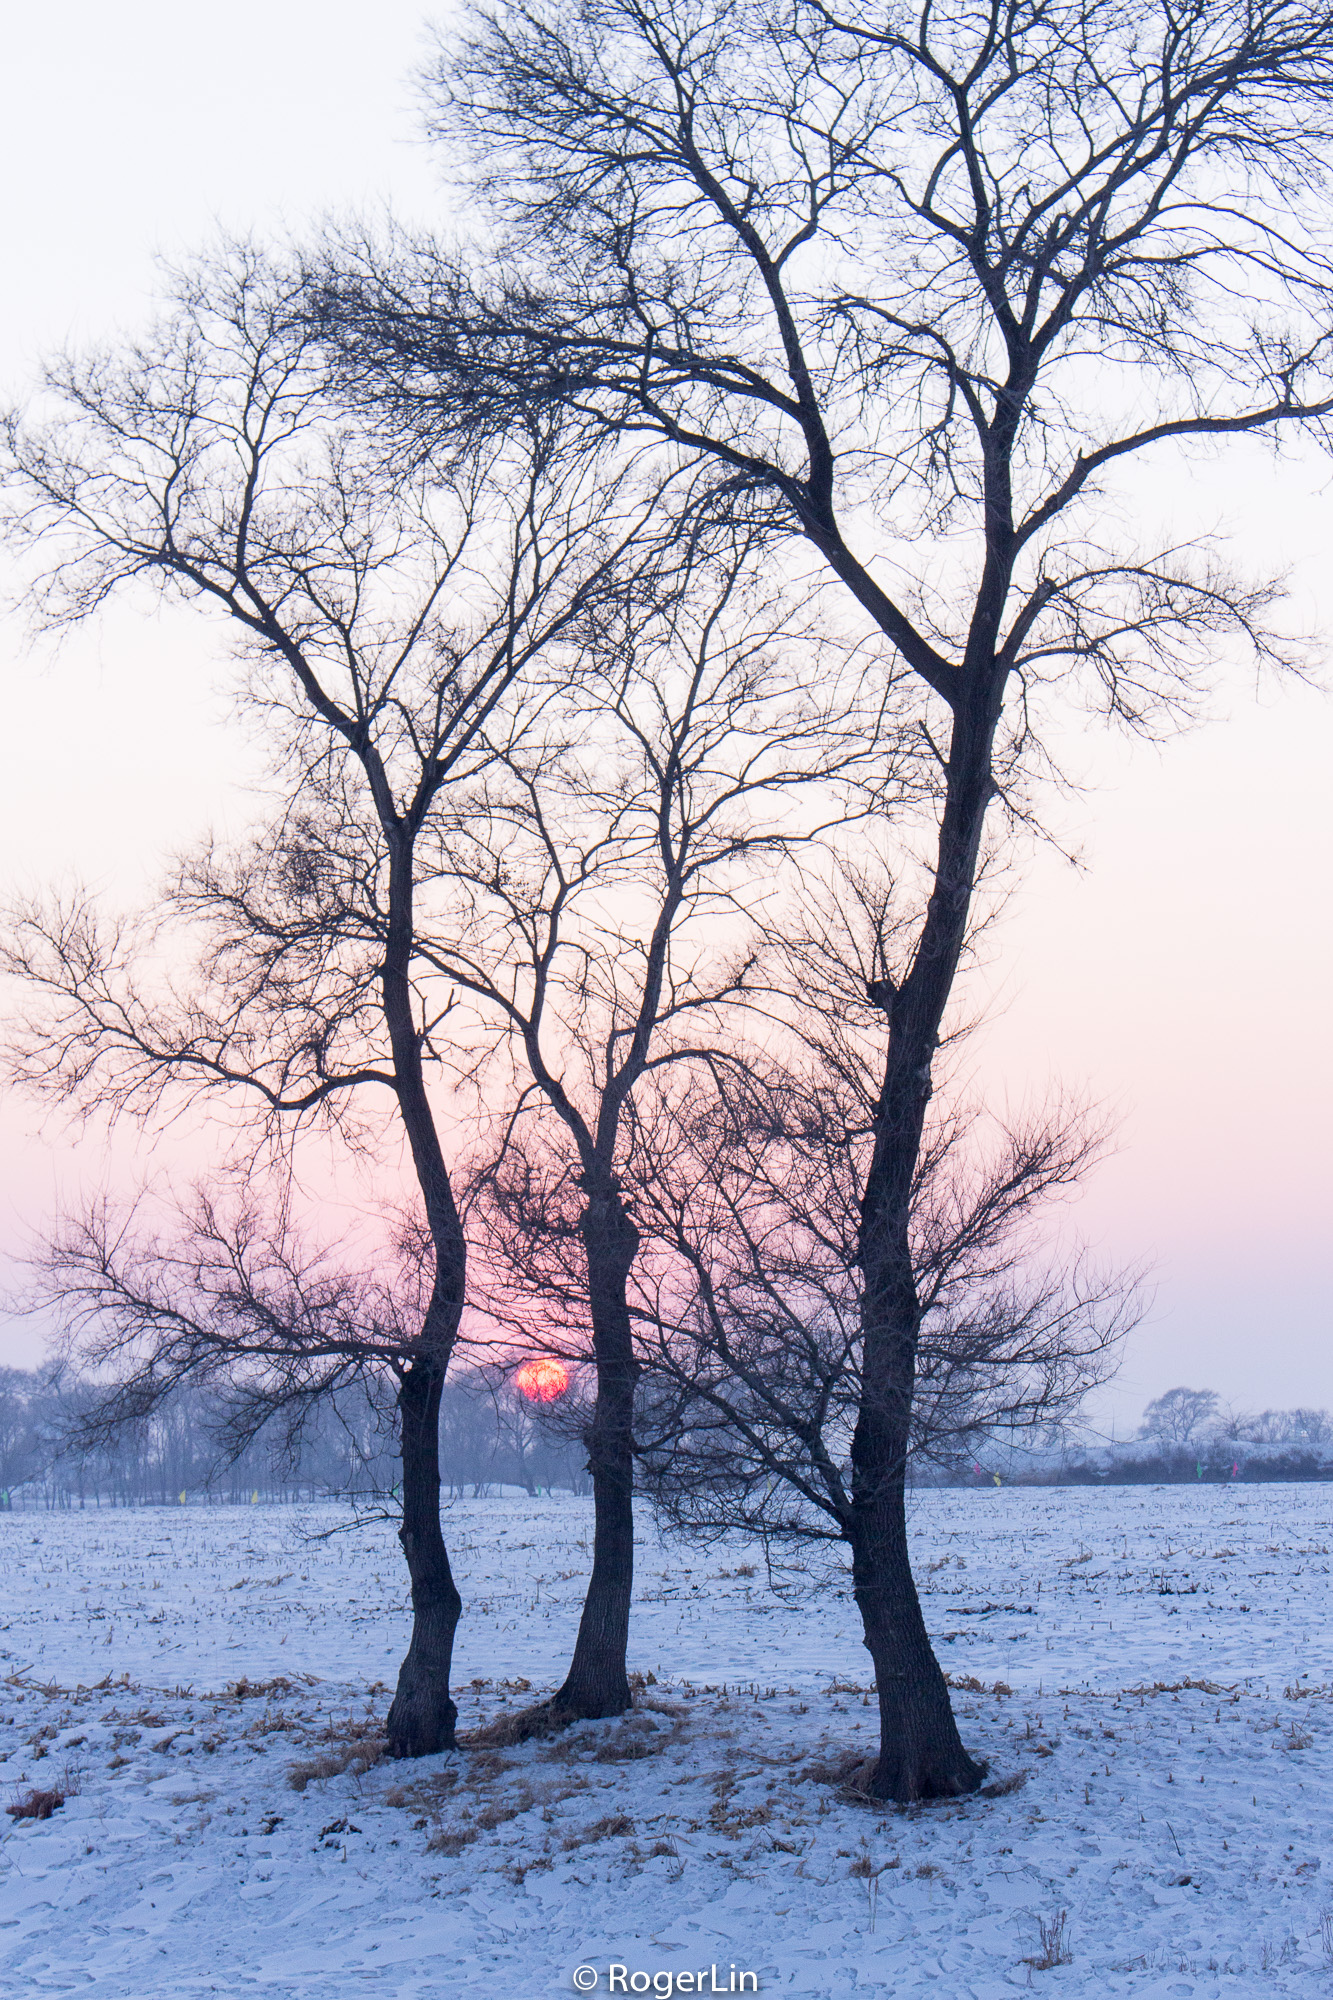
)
(1164, 1661)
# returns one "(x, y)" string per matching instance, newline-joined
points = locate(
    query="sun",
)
(542, 1380)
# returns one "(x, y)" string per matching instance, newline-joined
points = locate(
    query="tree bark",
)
(597, 1683)
(921, 1754)
(423, 1715)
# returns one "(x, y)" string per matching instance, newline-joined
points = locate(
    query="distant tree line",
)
(1199, 1416)
(1188, 1435)
(490, 1437)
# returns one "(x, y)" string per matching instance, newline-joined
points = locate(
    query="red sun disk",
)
(542, 1380)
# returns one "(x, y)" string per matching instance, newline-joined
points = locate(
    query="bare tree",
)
(386, 622)
(908, 289)
(751, 1320)
(1181, 1415)
(614, 880)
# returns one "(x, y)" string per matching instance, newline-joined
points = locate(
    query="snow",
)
(1165, 1681)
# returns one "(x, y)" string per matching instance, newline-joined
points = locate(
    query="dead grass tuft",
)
(36, 1804)
(488, 1765)
(499, 1815)
(1174, 1687)
(851, 1775)
(863, 1869)
(356, 1729)
(619, 1826)
(427, 1797)
(1054, 1935)
(542, 1718)
(835, 1773)
(518, 1871)
(563, 1752)
(273, 1722)
(356, 1757)
(969, 1684)
(1000, 1788)
(504, 1732)
(634, 1739)
(246, 1690)
(723, 1819)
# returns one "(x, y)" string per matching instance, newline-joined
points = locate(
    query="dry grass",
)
(426, 1794)
(355, 1744)
(244, 1690)
(969, 1684)
(633, 1740)
(1176, 1687)
(563, 1752)
(488, 1765)
(356, 1757)
(36, 1804)
(1054, 1935)
(518, 1871)
(525, 1725)
(836, 1773)
(617, 1826)
(499, 1814)
(1000, 1788)
(504, 1732)
(724, 1820)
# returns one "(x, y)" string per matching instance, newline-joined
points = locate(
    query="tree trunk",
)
(597, 1683)
(423, 1715)
(921, 1755)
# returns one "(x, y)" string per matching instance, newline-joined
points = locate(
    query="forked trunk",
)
(423, 1715)
(597, 1683)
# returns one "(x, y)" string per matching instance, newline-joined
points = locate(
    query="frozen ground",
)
(1165, 1674)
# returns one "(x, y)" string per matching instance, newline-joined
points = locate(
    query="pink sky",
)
(1182, 978)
